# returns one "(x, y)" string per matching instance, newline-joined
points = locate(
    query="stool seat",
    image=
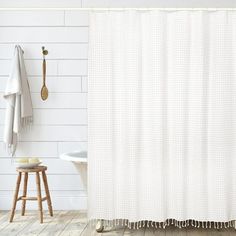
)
(35, 169)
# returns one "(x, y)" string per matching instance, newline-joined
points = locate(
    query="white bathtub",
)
(76, 156)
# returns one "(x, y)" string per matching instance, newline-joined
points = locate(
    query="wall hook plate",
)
(44, 51)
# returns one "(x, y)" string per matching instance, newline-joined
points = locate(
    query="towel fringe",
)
(163, 224)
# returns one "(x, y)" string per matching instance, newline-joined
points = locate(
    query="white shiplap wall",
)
(60, 123)
(116, 3)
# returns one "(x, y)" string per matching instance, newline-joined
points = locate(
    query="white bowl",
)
(27, 165)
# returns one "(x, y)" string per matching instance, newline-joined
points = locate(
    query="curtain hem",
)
(164, 224)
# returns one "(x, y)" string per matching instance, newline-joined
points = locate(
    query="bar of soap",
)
(33, 160)
(22, 160)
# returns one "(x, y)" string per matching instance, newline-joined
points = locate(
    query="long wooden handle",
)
(44, 72)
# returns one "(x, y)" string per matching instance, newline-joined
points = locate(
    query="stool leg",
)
(24, 194)
(47, 193)
(40, 205)
(15, 197)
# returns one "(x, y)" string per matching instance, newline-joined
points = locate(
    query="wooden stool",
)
(39, 198)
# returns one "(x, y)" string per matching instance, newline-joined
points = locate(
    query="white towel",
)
(19, 112)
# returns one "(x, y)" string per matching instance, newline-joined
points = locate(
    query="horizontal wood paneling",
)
(61, 200)
(56, 182)
(52, 133)
(33, 67)
(33, 149)
(4, 67)
(56, 117)
(63, 68)
(115, 3)
(64, 147)
(56, 100)
(56, 51)
(60, 117)
(55, 167)
(84, 84)
(57, 84)
(41, 3)
(70, 67)
(59, 100)
(76, 18)
(2, 84)
(29, 18)
(51, 149)
(160, 3)
(54, 84)
(60, 123)
(43, 34)
(2, 103)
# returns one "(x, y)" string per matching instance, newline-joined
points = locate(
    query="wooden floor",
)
(62, 223)
(75, 223)
(169, 231)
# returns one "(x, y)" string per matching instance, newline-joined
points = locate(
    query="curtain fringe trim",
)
(164, 224)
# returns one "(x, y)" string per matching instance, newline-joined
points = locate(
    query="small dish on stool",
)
(27, 165)
(27, 162)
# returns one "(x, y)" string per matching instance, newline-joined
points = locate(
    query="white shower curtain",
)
(162, 117)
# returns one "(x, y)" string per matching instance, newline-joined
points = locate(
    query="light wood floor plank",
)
(114, 231)
(4, 222)
(4, 215)
(74, 223)
(192, 231)
(58, 224)
(171, 230)
(232, 231)
(134, 232)
(36, 228)
(160, 232)
(149, 231)
(17, 225)
(76, 226)
(90, 231)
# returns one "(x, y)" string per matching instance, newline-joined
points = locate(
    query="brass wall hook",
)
(44, 51)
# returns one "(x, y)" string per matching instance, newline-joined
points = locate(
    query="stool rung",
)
(31, 198)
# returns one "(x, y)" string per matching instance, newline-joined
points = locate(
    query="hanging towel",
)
(19, 112)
